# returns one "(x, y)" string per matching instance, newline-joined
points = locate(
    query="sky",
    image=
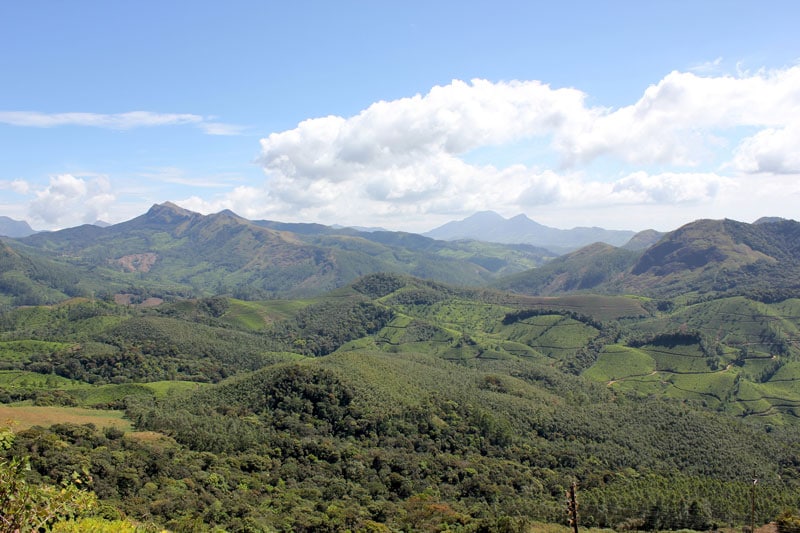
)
(402, 115)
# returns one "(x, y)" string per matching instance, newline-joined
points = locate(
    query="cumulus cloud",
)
(409, 158)
(668, 188)
(675, 121)
(116, 121)
(772, 150)
(70, 200)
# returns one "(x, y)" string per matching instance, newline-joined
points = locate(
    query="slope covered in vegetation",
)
(402, 403)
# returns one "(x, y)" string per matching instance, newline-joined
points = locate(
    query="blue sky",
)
(403, 115)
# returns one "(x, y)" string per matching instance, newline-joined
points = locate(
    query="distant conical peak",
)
(485, 215)
(171, 208)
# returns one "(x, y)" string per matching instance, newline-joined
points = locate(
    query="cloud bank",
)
(689, 140)
(693, 145)
(70, 200)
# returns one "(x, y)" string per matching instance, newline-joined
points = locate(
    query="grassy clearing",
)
(650, 384)
(258, 315)
(21, 351)
(564, 338)
(33, 380)
(618, 362)
(166, 388)
(788, 372)
(678, 358)
(713, 384)
(596, 306)
(470, 315)
(247, 315)
(21, 417)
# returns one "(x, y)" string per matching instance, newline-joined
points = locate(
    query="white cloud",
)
(772, 150)
(117, 121)
(708, 67)
(219, 128)
(17, 186)
(675, 122)
(121, 121)
(69, 200)
(407, 157)
(669, 188)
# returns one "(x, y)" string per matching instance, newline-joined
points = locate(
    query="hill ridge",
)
(492, 227)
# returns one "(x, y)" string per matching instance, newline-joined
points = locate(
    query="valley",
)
(330, 380)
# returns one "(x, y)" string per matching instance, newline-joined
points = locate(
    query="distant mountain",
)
(598, 267)
(170, 250)
(29, 279)
(769, 220)
(643, 239)
(490, 227)
(14, 228)
(721, 257)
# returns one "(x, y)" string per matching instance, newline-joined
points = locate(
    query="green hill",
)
(403, 403)
(172, 252)
(706, 257)
(383, 433)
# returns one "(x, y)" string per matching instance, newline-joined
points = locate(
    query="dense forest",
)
(208, 373)
(399, 404)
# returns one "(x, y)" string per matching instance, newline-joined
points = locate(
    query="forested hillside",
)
(397, 403)
(706, 258)
(170, 253)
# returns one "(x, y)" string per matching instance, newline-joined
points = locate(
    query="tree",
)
(28, 507)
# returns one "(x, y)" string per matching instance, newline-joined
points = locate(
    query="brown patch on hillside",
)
(123, 299)
(26, 416)
(132, 299)
(137, 262)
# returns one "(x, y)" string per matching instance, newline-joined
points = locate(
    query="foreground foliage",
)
(404, 404)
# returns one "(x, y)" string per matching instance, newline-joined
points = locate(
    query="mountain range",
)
(302, 377)
(170, 250)
(14, 228)
(491, 227)
(718, 257)
(173, 251)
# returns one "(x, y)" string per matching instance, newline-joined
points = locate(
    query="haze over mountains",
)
(492, 227)
(486, 226)
(14, 228)
(172, 250)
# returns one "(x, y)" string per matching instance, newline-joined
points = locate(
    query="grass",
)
(596, 306)
(618, 362)
(22, 350)
(166, 388)
(788, 372)
(553, 335)
(711, 387)
(20, 417)
(250, 316)
(33, 380)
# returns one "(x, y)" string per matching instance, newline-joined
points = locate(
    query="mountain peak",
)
(484, 216)
(169, 208)
(14, 228)
(769, 220)
(488, 226)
